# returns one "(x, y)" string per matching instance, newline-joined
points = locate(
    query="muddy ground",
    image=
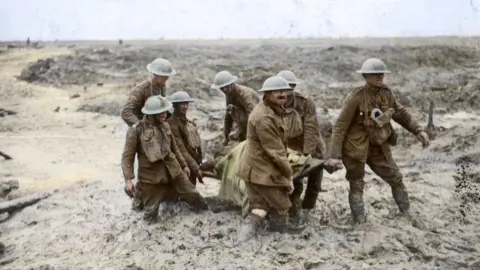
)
(67, 137)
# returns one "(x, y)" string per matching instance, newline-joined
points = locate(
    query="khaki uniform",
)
(265, 167)
(160, 164)
(304, 136)
(358, 140)
(240, 103)
(132, 110)
(188, 142)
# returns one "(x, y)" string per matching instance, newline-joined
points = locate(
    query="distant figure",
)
(162, 171)
(161, 70)
(363, 134)
(28, 42)
(186, 135)
(303, 136)
(240, 101)
(120, 42)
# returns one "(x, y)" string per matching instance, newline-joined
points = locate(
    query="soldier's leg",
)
(295, 211)
(186, 191)
(137, 204)
(150, 195)
(258, 209)
(384, 166)
(314, 186)
(355, 173)
(279, 204)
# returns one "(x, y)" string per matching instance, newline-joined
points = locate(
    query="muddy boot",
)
(216, 205)
(137, 205)
(278, 223)
(151, 214)
(249, 228)
(197, 202)
(314, 186)
(355, 199)
(400, 195)
(295, 211)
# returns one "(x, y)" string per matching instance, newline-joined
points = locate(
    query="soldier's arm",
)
(404, 118)
(341, 126)
(191, 162)
(310, 128)
(227, 124)
(177, 152)
(272, 144)
(129, 152)
(134, 102)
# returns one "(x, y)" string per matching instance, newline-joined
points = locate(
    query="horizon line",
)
(242, 38)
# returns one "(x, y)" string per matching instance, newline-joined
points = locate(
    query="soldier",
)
(186, 135)
(161, 70)
(265, 168)
(240, 102)
(162, 171)
(303, 136)
(363, 133)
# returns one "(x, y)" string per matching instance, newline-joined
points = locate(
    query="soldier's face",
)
(157, 79)
(277, 97)
(227, 89)
(374, 79)
(182, 107)
(161, 117)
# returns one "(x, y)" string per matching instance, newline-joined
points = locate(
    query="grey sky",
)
(113, 19)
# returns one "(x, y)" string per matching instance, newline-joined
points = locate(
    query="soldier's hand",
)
(423, 137)
(199, 175)
(129, 188)
(332, 165)
(186, 170)
(291, 187)
(225, 141)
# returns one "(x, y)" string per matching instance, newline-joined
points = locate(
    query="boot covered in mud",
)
(279, 223)
(137, 205)
(196, 201)
(249, 228)
(295, 211)
(355, 199)
(400, 194)
(151, 214)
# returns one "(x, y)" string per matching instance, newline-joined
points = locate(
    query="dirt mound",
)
(414, 67)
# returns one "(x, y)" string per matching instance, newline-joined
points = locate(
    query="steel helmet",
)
(180, 96)
(275, 83)
(289, 76)
(373, 65)
(161, 67)
(156, 105)
(222, 79)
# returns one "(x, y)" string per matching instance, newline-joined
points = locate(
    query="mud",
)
(74, 145)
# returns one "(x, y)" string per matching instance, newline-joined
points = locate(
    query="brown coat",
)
(132, 110)
(244, 99)
(159, 159)
(350, 135)
(310, 141)
(264, 159)
(183, 138)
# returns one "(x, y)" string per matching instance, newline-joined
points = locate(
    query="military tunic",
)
(240, 103)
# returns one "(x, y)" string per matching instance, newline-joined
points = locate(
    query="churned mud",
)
(65, 136)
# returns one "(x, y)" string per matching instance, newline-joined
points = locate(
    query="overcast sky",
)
(113, 19)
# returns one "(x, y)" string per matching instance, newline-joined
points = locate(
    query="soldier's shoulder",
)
(166, 125)
(355, 92)
(141, 86)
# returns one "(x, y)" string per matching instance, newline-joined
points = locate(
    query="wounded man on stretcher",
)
(232, 193)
